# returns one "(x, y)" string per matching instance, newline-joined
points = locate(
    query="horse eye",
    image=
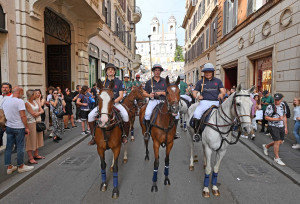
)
(238, 104)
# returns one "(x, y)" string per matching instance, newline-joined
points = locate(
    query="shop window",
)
(263, 68)
(254, 5)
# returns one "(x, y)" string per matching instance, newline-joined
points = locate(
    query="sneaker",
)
(278, 161)
(51, 134)
(25, 168)
(67, 128)
(83, 133)
(296, 146)
(88, 131)
(265, 149)
(10, 171)
(78, 121)
(244, 136)
(252, 137)
(268, 134)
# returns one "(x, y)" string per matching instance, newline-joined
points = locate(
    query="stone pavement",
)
(73, 137)
(290, 156)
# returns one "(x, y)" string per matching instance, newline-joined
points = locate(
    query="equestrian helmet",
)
(126, 76)
(110, 65)
(208, 67)
(157, 66)
(181, 76)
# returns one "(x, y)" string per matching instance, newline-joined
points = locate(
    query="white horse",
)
(217, 134)
(183, 110)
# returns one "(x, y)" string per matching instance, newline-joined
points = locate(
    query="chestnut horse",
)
(108, 134)
(129, 105)
(163, 129)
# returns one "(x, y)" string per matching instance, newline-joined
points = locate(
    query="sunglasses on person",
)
(55, 93)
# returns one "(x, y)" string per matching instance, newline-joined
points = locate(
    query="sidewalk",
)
(290, 156)
(50, 150)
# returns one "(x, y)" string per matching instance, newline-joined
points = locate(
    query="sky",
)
(162, 9)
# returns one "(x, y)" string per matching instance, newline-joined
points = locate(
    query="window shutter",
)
(225, 18)
(103, 8)
(250, 7)
(216, 29)
(203, 7)
(109, 14)
(116, 21)
(234, 19)
(207, 38)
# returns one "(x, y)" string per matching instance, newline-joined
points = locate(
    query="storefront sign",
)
(105, 56)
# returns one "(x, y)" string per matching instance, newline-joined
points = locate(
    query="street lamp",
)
(128, 31)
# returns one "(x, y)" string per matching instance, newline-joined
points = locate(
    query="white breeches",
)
(186, 97)
(93, 114)
(151, 105)
(203, 106)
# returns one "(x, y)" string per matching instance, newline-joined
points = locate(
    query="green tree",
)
(179, 54)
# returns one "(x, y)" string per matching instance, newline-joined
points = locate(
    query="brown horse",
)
(108, 134)
(129, 105)
(163, 129)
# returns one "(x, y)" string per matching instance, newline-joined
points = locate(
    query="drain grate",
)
(74, 161)
(254, 169)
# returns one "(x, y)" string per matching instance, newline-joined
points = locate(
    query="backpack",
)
(285, 106)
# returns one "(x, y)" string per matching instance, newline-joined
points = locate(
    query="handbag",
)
(259, 115)
(2, 119)
(40, 126)
(60, 114)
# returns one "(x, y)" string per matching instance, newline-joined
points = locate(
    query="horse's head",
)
(106, 103)
(137, 93)
(173, 96)
(242, 107)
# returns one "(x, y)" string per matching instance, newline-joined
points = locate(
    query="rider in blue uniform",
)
(213, 91)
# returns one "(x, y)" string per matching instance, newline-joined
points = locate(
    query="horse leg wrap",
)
(214, 179)
(131, 132)
(206, 180)
(180, 120)
(184, 124)
(166, 171)
(103, 174)
(115, 174)
(154, 179)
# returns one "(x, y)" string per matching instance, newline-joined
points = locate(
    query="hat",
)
(157, 66)
(181, 76)
(137, 75)
(208, 67)
(126, 75)
(265, 92)
(278, 96)
(110, 65)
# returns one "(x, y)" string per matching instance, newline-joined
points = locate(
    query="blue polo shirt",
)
(157, 86)
(118, 86)
(211, 88)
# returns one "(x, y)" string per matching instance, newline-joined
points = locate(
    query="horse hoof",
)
(216, 192)
(132, 139)
(192, 168)
(205, 194)
(125, 161)
(154, 188)
(115, 193)
(111, 169)
(103, 187)
(167, 181)
(147, 157)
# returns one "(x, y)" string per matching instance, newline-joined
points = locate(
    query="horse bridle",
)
(230, 122)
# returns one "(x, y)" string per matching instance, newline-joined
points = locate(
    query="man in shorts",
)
(277, 126)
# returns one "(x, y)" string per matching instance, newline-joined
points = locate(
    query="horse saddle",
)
(154, 114)
(203, 120)
(186, 101)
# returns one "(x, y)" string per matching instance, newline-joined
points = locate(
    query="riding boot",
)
(176, 123)
(92, 128)
(196, 136)
(147, 133)
(125, 132)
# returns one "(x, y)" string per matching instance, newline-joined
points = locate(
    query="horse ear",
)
(251, 89)
(99, 84)
(167, 81)
(111, 84)
(238, 88)
(177, 81)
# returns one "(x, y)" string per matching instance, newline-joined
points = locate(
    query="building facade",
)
(163, 46)
(65, 42)
(201, 30)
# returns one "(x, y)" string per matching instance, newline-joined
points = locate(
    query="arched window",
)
(171, 28)
(2, 20)
(154, 29)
